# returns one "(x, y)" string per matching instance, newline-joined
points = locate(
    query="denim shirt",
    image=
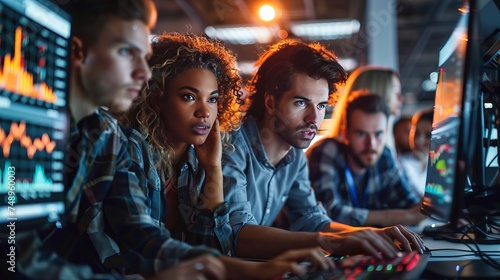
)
(384, 189)
(200, 226)
(257, 191)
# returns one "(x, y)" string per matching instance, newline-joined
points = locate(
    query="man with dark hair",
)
(109, 52)
(401, 132)
(268, 170)
(109, 55)
(414, 163)
(358, 180)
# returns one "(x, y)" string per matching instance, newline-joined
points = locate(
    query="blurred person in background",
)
(401, 132)
(357, 179)
(414, 163)
(375, 79)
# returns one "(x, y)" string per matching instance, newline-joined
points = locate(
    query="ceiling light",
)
(247, 35)
(267, 13)
(326, 30)
(348, 63)
(428, 85)
(243, 35)
(433, 76)
(248, 67)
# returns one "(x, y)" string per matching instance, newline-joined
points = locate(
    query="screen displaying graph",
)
(33, 150)
(15, 78)
(442, 198)
(33, 57)
(34, 122)
(442, 167)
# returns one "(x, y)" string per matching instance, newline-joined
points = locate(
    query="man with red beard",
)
(357, 180)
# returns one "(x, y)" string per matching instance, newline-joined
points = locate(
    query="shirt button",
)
(268, 211)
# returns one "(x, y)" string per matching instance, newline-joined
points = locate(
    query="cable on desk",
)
(487, 258)
(475, 250)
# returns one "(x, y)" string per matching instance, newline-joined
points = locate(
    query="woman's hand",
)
(209, 154)
(377, 242)
(276, 267)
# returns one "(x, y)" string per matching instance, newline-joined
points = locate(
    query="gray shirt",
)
(256, 191)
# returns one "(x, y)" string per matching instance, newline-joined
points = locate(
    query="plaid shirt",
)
(385, 189)
(199, 226)
(36, 261)
(109, 226)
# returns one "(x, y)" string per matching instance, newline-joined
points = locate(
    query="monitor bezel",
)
(468, 117)
(58, 202)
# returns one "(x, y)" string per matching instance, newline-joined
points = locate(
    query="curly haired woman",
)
(184, 114)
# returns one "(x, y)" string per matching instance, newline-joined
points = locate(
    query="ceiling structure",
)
(423, 27)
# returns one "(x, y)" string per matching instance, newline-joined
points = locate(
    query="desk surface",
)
(450, 260)
(444, 250)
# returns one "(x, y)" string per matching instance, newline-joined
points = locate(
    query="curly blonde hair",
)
(174, 53)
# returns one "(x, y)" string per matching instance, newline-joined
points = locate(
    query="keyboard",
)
(407, 265)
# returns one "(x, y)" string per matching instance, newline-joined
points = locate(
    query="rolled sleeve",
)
(207, 224)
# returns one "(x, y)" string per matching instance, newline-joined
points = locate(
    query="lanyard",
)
(352, 189)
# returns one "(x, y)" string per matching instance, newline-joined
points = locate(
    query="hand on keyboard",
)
(369, 241)
(310, 260)
(406, 265)
(308, 269)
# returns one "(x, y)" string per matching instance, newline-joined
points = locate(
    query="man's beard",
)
(359, 161)
(288, 136)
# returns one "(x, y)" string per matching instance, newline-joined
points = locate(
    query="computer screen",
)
(451, 139)
(34, 122)
(456, 183)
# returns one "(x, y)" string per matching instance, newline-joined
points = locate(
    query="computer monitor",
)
(455, 172)
(34, 122)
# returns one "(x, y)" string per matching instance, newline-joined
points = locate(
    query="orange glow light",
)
(267, 12)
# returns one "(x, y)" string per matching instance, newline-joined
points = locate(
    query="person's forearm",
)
(237, 269)
(336, 227)
(261, 242)
(213, 194)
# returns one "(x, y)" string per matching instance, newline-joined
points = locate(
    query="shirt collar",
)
(252, 131)
(192, 161)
